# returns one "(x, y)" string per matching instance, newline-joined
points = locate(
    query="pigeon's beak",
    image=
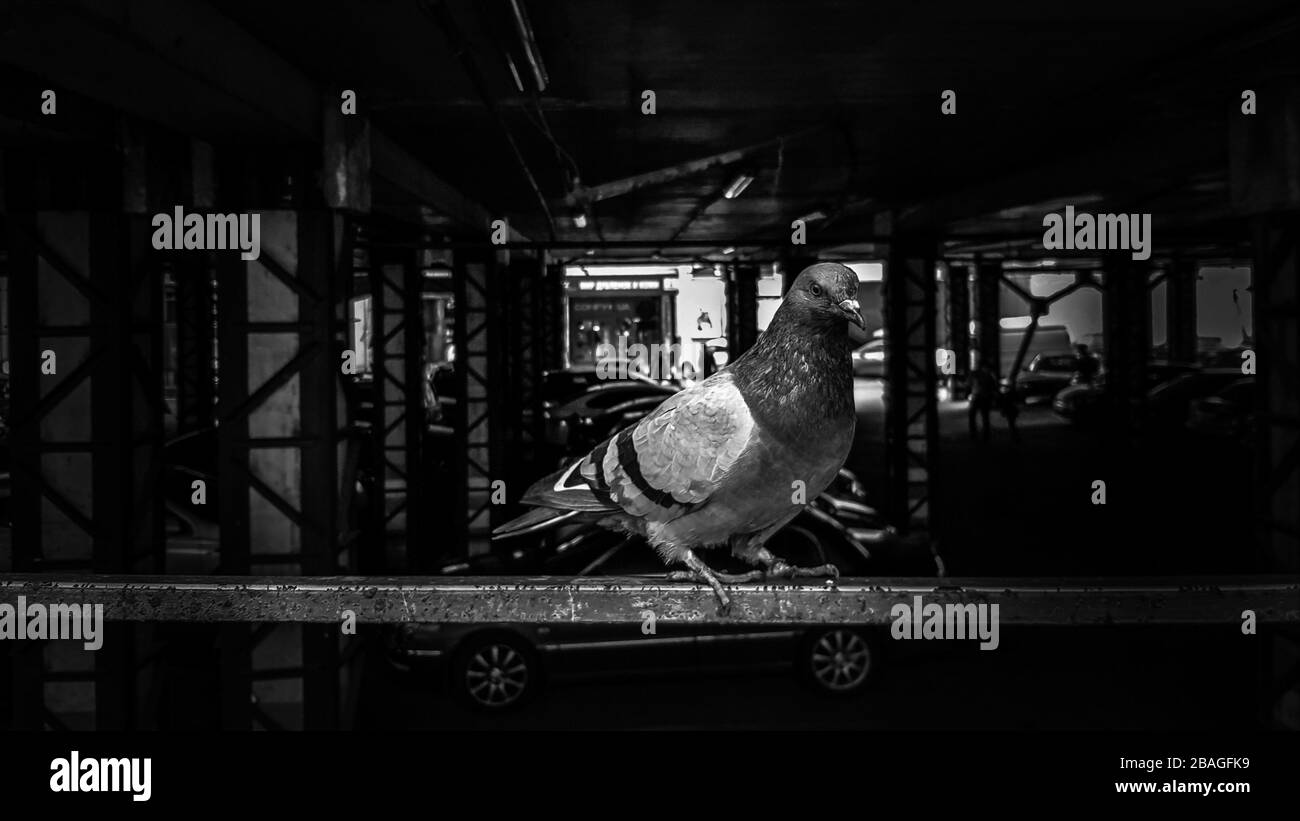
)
(853, 312)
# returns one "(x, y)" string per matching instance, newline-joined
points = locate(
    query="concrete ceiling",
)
(1115, 102)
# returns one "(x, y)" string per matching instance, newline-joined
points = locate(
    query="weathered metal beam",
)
(662, 176)
(1063, 602)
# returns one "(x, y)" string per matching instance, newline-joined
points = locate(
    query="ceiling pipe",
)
(441, 15)
(525, 29)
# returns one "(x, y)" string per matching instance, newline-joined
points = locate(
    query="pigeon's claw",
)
(701, 574)
(789, 571)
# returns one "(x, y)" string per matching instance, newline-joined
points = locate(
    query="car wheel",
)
(496, 672)
(839, 661)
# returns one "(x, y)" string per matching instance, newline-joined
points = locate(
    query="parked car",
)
(500, 666)
(1167, 404)
(1229, 413)
(1084, 404)
(869, 360)
(584, 421)
(1046, 376)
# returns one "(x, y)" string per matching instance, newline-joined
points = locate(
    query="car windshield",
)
(1239, 392)
(1054, 363)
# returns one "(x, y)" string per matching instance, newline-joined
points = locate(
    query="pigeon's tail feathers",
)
(567, 489)
(539, 518)
(564, 496)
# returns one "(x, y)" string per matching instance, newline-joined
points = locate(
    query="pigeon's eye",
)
(815, 289)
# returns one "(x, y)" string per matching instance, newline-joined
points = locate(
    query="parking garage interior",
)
(492, 234)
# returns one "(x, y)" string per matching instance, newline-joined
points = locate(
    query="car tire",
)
(496, 672)
(838, 661)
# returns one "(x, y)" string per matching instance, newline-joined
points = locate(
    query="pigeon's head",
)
(826, 294)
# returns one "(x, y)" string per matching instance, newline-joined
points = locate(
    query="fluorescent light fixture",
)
(868, 271)
(738, 186)
(624, 271)
(730, 249)
(813, 216)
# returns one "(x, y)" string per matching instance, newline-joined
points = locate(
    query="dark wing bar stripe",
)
(598, 481)
(627, 459)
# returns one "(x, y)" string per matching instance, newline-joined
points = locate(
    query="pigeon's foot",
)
(724, 601)
(701, 574)
(788, 571)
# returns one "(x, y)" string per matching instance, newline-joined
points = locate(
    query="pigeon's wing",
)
(676, 458)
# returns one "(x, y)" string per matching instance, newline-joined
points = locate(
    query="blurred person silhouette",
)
(1009, 405)
(1085, 365)
(983, 393)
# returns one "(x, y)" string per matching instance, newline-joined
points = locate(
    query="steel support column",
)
(742, 307)
(988, 316)
(550, 305)
(958, 328)
(397, 346)
(277, 443)
(1276, 282)
(480, 366)
(1180, 311)
(1126, 302)
(791, 266)
(86, 429)
(911, 403)
(195, 341)
(524, 294)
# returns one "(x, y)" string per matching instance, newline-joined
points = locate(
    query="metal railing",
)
(1101, 601)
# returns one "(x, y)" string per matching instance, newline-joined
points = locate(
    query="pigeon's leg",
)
(701, 574)
(752, 551)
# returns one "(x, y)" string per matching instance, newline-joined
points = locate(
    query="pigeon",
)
(730, 460)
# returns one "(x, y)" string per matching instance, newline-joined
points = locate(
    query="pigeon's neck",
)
(797, 377)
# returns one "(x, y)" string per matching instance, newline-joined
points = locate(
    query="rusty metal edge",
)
(1189, 600)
